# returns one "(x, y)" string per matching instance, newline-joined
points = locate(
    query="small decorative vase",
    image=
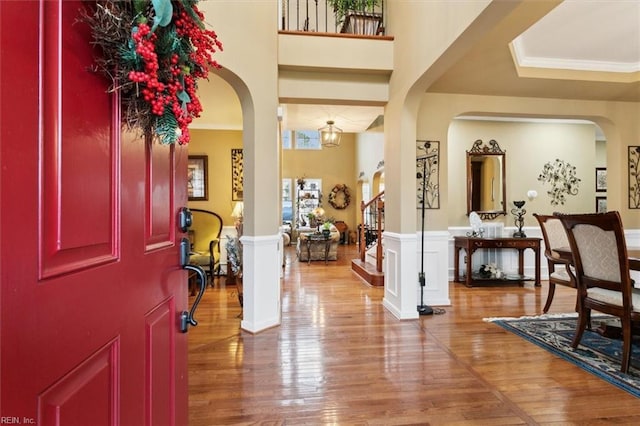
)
(326, 232)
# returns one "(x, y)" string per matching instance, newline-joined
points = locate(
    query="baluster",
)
(306, 19)
(316, 1)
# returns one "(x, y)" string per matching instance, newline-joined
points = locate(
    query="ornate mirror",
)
(486, 180)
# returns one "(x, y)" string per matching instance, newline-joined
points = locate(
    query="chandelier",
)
(330, 135)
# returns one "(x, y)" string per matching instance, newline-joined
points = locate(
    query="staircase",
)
(369, 265)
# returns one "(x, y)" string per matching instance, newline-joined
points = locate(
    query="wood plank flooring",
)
(340, 358)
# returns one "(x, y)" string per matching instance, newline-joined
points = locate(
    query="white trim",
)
(399, 279)
(261, 282)
(524, 60)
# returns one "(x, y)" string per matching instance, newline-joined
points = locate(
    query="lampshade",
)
(238, 211)
(330, 135)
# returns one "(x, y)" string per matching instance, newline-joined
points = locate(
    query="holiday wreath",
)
(339, 197)
(154, 52)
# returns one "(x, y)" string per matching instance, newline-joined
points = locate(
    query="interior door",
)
(91, 286)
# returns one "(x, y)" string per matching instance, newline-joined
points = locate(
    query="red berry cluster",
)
(153, 90)
(164, 94)
(205, 42)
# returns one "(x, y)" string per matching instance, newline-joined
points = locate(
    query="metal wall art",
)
(427, 171)
(634, 177)
(563, 180)
(237, 174)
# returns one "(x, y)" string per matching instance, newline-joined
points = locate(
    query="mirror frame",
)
(491, 149)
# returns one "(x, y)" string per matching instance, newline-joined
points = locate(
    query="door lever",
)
(188, 317)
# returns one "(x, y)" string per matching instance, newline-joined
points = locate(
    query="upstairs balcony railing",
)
(318, 16)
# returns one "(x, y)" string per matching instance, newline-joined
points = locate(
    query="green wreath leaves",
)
(339, 197)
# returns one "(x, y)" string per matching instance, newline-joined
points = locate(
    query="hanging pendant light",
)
(330, 135)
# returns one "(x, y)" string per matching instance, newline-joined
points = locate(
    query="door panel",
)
(91, 287)
(160, 188)
(159, 384)
(78, 122)
(87, 394)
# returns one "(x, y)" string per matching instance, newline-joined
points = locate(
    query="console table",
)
(471, 244)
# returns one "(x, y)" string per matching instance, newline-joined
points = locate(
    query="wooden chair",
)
(560, 273)
(602, 272)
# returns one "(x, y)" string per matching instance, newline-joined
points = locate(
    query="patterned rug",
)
(596, 354)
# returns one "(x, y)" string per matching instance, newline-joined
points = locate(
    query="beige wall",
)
(369, 162)
(239, 24)
(528, 147)
(618, 121)
(217, 145)
(430, 36)
(332, 165)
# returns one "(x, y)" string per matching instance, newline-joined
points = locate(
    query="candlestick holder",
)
(518, 212)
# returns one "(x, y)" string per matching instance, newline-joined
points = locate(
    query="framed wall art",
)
(601, 204)
(427, 174)
(237, 174)
(197, 168)
(601, 179)
(634, 177)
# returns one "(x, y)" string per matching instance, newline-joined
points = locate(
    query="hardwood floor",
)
(340, 358)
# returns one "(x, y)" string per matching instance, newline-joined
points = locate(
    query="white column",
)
(436, 268)
(400, 277)
(261, 281)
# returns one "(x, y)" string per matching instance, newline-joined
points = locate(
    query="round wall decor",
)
(339, 197)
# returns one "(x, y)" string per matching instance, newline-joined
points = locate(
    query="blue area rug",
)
(596, 354)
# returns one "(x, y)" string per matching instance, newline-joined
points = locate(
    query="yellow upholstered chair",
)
(205, 241)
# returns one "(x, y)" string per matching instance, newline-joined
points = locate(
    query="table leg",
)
(308, 251)
(327, 245)
(469, 280)
(456, 264)
(521, 262)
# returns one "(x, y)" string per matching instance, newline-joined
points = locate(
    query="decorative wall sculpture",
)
(634, 177)
(563, 180)
(237, 173)
(427, 173)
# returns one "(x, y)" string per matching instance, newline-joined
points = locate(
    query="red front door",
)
(91, 288)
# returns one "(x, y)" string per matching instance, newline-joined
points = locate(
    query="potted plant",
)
(326, 228)
(357, 16)
(312, 220)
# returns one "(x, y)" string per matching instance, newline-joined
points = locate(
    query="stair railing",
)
(371, 227)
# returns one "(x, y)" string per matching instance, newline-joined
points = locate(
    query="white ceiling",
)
(351, 119)
(601, 35)
(586, 35)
